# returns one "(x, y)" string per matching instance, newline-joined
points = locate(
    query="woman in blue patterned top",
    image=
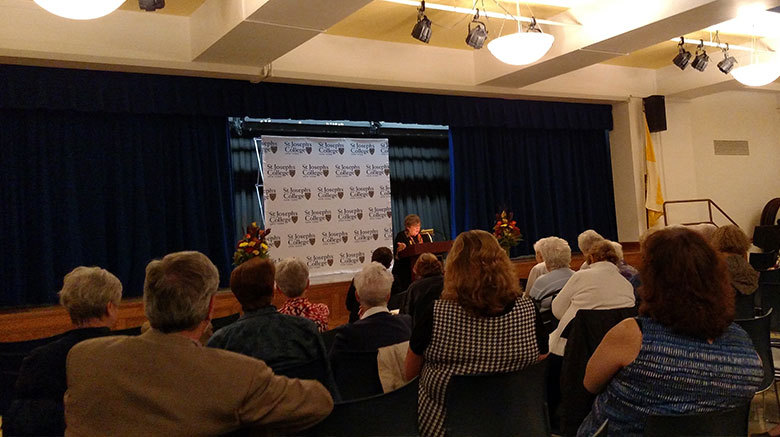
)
(683, 354)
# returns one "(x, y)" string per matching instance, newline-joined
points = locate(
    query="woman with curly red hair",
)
(481, 324)
(683, 354)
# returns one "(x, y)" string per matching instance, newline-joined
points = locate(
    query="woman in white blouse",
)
(600, 287)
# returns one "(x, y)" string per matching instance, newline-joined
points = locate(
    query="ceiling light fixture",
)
(477, 34)
(757, 73)
(422, 30)
(467, 11)
(522, 48)
(80, 9)
(683, 57)
(701, 60)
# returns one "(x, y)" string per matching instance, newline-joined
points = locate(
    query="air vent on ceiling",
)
(730, 147)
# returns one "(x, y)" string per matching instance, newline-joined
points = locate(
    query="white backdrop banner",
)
(327, 201)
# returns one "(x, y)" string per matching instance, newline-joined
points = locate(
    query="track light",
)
(727, 63)
(422, 30)
(701, 60)
(477, 34)
(151, 5)
(683, 57)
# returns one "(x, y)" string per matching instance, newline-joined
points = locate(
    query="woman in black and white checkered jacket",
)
(481, 324)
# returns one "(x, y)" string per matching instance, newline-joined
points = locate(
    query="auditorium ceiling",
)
(604, 50)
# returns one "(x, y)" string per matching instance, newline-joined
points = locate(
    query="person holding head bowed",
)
(683, 354)
(402, 269)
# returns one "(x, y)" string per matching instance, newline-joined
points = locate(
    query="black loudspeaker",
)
(655, 111)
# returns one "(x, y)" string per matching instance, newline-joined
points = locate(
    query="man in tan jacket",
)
(164, 382)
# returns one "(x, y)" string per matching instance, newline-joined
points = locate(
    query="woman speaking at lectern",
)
(402, 270)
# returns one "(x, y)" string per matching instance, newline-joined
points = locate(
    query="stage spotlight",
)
(151, 5)
(727, 63)
(477, 34)
(683, 57)
(701, 60)
(422, 30)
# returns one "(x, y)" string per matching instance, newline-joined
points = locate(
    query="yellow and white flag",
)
(654, 198)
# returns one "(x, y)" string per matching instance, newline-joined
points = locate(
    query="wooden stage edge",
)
(32, 323)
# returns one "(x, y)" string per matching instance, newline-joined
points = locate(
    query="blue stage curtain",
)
(111, 190)
(100, 91)
(557, 182)
(420, 182)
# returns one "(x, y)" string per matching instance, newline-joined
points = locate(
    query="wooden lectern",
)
(413, 251)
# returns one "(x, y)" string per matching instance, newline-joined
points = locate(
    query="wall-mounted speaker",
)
(655, 111)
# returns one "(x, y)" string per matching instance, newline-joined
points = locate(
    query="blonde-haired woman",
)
(481, 313)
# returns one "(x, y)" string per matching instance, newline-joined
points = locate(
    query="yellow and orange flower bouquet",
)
(253, 244)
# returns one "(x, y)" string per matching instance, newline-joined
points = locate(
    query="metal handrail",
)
(710, 204)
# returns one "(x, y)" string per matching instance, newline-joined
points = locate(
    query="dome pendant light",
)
(522, 48)
(80, 9)
(757, 73)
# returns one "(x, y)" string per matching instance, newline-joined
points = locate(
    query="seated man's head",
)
(587, 239)
(556, 253)
(91, 296)
(179, 291)
(383, 256)
(603, 251)
(292, 277)
(372, 285)
(427, 265)
(252, 283)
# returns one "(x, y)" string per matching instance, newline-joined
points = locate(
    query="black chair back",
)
(747, 306)
(732, 422)
(356, 374)
(11, 356)
(389, 414)
(397, 301)
(221, 322)
(757, 329)
(328, 337)
(498, 404)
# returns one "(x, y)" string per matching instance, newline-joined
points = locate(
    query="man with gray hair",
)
(164, 382)
(376, 327)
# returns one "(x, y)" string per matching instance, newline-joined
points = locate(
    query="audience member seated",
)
(586, 240)
(734, 244)
(428, 286)
(481, 324)
(282, 341)
(539, 269)
(91, 296)
(683, 354)
(627, 270)
(557, 257)
(382, 255)
(292, 279)
(376, 327)
(600, 287)
(164, 382)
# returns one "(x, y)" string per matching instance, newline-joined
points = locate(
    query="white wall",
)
(741, 185)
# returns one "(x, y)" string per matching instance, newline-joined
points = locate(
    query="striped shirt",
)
(674, 375)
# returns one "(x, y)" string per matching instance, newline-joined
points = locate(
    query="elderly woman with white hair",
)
(292, 279)
(540, 268)
(557, 257)
(91, 296)
(586, 240)
(377, 327)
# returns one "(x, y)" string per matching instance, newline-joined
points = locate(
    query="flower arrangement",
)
(253, 244)
(506, 231)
